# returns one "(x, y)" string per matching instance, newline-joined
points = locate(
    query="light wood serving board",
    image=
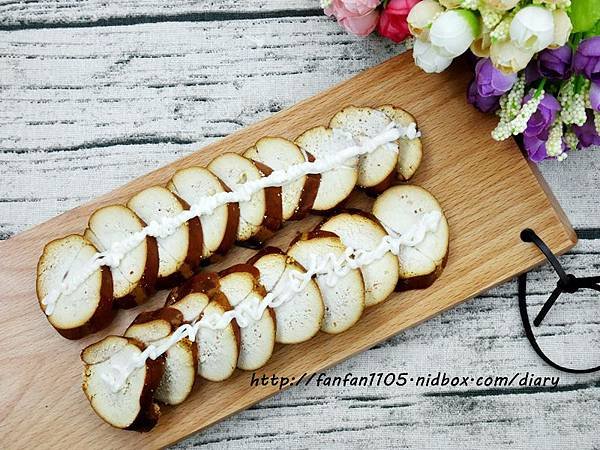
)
(489, 193)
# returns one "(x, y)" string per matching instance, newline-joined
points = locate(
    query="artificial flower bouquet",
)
(537, 63)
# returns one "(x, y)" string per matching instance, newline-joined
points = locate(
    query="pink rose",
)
(357, 16)
(392, 23)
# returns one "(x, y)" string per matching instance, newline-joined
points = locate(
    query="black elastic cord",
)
(528, 235)
(567, 283)
(546, 308)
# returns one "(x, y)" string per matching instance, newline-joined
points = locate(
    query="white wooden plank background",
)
(64, 13)
(95, 93)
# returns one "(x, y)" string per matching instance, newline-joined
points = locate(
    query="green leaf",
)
(584, 14)
(594, 31)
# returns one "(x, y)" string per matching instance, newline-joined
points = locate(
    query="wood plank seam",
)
(588, 233)
(216, 16)
(111, 142)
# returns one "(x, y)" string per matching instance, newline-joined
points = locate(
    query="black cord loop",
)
(567, 283)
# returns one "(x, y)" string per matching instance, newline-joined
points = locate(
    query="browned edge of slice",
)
(273, 218)
(309, 192)
(307, 235)
(147, 285)
(233, 219)
(241, 267)
(422, 281)
(105, 312)
(274, 209)
(170, 315)
(203, 282)
(149, 411)
(358, 212)
(374, 191)
(341, 206)
(263, 252)
(194, 255)
(196, 241)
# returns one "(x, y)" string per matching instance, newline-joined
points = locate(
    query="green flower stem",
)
(579, 82)
(575, 39)
(540, 88)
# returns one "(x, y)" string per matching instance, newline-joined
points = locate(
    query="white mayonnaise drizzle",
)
(240, 193)
(330, 266)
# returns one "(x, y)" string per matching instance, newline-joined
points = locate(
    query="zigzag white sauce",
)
(329, 266)
(112, 257)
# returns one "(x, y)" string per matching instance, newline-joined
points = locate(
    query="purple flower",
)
(483, 104)
(595, 96)
(587, 58)
(490, 81)
(587, 133)
(536, 148)
(540, 121)
(488, 85)
(555, 63)
(532, 72)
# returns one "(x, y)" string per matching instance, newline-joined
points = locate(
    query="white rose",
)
(532, 28)
(481, 46)
(562, 28)
(421, 16)
(508, 57)
(454, 31)
(429, 57)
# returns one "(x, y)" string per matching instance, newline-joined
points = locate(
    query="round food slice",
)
(344, 299)
(178, 252)
(297, 196)
(237, 282)
(336, 184)
(130, 407)
(402, 210)
(190, 306)
(219, 348)
(219, 228)
(260, 216)
(300, 318)
(181, 359)
(240, 285)
(134, 279)
(376, 170)
(359, 231)
(89, 307)
(410, 151)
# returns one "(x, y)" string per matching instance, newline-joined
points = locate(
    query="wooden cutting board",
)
(489, 193)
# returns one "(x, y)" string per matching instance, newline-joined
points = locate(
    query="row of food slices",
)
(331, 308)
(165, 261)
